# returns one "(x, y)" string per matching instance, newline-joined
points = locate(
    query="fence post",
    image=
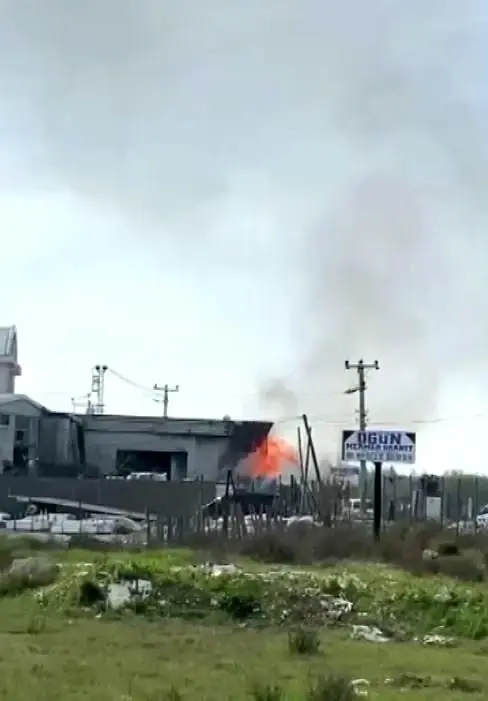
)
(148, 528)
(476, 503)
(411, 498)
(458, 503)
(80, 516)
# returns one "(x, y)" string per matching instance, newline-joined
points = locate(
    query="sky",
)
(237, 197)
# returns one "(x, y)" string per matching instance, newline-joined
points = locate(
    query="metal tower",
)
(97, 390)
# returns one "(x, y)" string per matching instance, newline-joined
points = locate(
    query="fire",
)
(271, 457)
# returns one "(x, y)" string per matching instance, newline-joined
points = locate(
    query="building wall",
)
(208, 455)
(203, 453)
(21, 415)
(211, 445)
(58, 440)
(7, 435)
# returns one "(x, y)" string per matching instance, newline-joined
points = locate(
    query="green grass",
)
(404, 603)
(219, 638)
(47, 657)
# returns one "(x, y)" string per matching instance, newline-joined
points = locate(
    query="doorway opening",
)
(172, 465)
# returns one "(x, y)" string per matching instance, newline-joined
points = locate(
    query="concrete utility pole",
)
(166, 389)
(361, 387)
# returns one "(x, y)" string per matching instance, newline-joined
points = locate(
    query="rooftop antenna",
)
(83, 401)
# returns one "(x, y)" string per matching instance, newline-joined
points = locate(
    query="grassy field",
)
(133, 659)
(199, 636)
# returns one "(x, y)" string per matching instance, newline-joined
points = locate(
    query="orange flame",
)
(271, 457)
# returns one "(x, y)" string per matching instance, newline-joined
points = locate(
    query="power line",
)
(387, 422)
(136, 385)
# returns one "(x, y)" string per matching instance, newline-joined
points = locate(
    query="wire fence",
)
(455, 501)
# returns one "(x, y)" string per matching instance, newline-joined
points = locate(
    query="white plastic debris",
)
(438, 640)
(369, 633)
(217, 570)
(429, 554)
(337, 607)
(361, 687)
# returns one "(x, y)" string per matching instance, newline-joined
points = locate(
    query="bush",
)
(304, 641)
(402, 545)
(80, 541)
(466, 566)
(240, 605)
(448, 548)
(275, 547)
(334, 687)
(27, 573)
(343, 542)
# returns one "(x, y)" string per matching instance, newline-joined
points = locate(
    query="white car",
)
(355, 508)
(482, 517)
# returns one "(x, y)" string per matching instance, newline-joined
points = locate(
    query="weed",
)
(304, 641)
(240, 605)
(467, 686)
(273, 547)
(334, 687)
(36, 625)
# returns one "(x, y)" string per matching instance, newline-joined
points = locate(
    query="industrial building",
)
(35, 440)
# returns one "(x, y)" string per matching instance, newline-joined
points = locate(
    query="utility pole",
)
(361, 367)
(166, 389)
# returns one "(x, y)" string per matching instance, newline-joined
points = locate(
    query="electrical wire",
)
(135, 385)
(317, 418)
(329, 420)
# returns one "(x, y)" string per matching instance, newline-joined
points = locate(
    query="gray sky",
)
(236, 196)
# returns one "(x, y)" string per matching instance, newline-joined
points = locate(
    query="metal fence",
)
(461, 496)
(176, 499)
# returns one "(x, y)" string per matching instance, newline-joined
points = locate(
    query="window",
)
(4, 419)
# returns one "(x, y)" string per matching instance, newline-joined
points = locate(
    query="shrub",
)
(27, 573)
(80, 541)
(343, 542)
(274, 547)
(467, 566)
(448, 548)
(334, 687)
(90, 593)
(304, 641)
(240, 605)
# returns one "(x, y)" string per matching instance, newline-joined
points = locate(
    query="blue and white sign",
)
(379, 446)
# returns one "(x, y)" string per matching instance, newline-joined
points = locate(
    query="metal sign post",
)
(378, 499)
(379, 447)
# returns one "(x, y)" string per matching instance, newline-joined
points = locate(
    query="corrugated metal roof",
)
(8, 336)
